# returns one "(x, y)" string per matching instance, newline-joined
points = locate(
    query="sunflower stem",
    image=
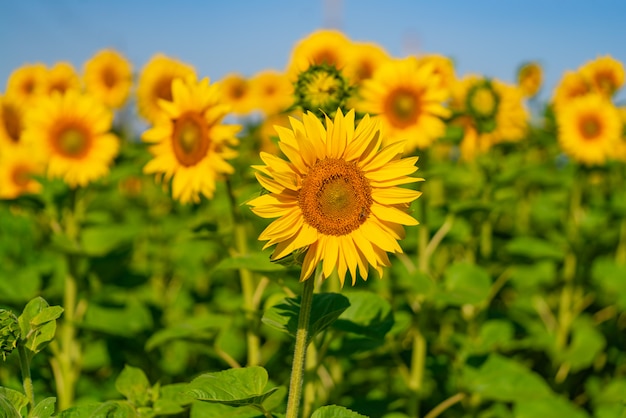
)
(27, 380)
(416, 372)
(302, 340)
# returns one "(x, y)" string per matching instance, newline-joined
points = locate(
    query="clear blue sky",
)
(490, 37)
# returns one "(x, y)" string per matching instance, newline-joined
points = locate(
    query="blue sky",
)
(490, 37)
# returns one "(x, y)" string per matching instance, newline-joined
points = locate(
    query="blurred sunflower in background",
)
(71, 133)
(11, 122)
(409, 100)
(61, 78)
(325, 46)
(530, 78)
(336, 195)
(17, 167)
(605, 75)
(272, 92)
(363, 59)
(108, 76)
(155, 83)
(572, 84)
(26, 82)
(442, 67)
(189, 143)
(237, 93)
(589, 129)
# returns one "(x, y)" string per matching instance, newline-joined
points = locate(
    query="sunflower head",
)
(363, 60)
(482, 102)
(61, 78)
(26, 82)
(322, 89)
(529, 78)
(108, 76)
(605, 75)
(18, 165)
(11, 122)
(337, 198)
(237, 92)
(272, 92)
(325, 46)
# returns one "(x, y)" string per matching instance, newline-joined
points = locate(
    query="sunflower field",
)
(356, 235)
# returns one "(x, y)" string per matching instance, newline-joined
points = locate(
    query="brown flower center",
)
(190, 139)
(72, 141)
(238, 90)
(325, 56)
(21, 176)
(12, 122)
(335, 197)
(109, 77)
(590, 127)
(606, 82)
(163, 88)
(402, 107)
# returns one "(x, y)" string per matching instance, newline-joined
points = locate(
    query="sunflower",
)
(573, 84)
(237, 93)
(324, 46)
(61, 78)
(17, 166)
(26, 82)
(441, 66)
(322, 89)
(589, 129)
(11, 122)
(529, 78)
(363, 60)
(108, 77)
(272, 92)
(72, 133)
(605, 74)
(155, 83)
(408, 98)
(337, 196)
(190, 144)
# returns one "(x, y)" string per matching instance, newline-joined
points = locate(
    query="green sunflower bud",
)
(9, 333)
(482, 102)
(322, 89)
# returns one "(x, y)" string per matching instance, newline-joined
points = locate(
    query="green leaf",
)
(553, 406)
(126, 321)
(465, 283)
(44, 409)
(368, 315)
(587, 343)
(38, 324)
(134, 385)
(47, 314)
(502, 379)
(100, 240)
(327, 307)
(200, 328)
(494, 334)
(234, 387)
(207, 409)
(40, 339)
(534, 248)
(254, 262)
(609, 276)
(110, 409)
(32, 308)
(530, 276)
(12, 401)
(334, 411)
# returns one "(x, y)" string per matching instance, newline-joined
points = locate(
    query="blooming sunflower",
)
(589, 129)
(363, 60)
(191, 145)
(573, 84)
(337, 196)
(17, 166)
(237, 93)
(155, 83)
(26, 82)
(61, 78)
(442, 66)
(408, 98)
(108, 77)
(529, 78)
(324, 46)
(272, 91)
(605, 74)
(72, 133)
(11, 122)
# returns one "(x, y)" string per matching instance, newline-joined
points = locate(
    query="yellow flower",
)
(605, 74)
(72, 133)
(190, 144)
(363, 60)
(589, 129)
(108, 77)
(272, 91)
(572, 85)
(408, 98)
(26, 82)
(441, 66)
(337, 195)
(322, 89)
(237, 92)
(529, 78)
(155, 83)
(325, 46)
(61, 78)
(11, 122)
(267, 132)
(17, 166)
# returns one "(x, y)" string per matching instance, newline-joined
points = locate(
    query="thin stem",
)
(436, 411)
(438, 237)
(302, 340)
(620, 252)
(416, 373)
(26, 378)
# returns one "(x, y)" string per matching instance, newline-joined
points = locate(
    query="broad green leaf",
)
(7, 410)
(534, 248)
(47, 314)
(614, 410)
(16, 400)
(368, 315)
(32, 308)
(502, 379)
(254, 262)
(44, 409)
(110, 409)
(208, 409)
(134, 385)
(334, 411)
(609, 276)
(175, 393)
(587, 343)
(43, 335)
(201, 328)
(494, 334)
(38, 324)
(234, 387)
(553, 406)
(464, 284)
(126, 321)
(20, 286)
(327, 307)
(529, 276)
(100, 240)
